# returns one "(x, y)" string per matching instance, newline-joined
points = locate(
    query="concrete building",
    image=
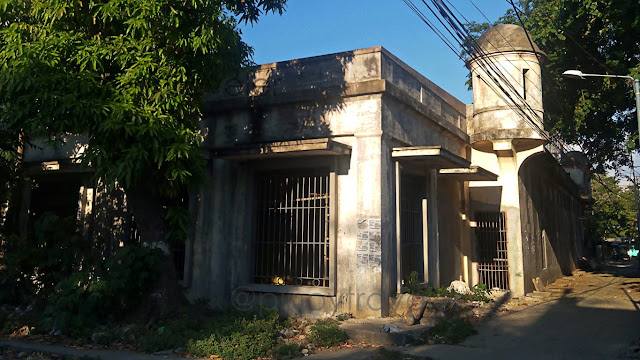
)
(334, 177)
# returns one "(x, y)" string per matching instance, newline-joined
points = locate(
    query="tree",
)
(613, 210)
(130, 74)
(593, 36)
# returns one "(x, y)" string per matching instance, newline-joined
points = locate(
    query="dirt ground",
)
(589, 315)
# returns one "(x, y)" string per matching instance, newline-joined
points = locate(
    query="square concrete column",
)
(433, 243)
(510, 205)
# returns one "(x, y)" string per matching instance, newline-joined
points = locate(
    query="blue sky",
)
(316, 27)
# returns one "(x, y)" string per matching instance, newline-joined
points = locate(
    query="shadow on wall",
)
(284, 101)
(550, 217)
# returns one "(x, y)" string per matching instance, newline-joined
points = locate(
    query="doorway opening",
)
(493, 263)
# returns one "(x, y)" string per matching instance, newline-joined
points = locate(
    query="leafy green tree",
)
(613, 211)
(130, 74)
(594, 36)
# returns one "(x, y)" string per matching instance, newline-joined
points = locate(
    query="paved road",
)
(597, 316)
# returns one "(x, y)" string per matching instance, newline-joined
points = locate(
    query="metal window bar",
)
(493, 264)
(292, 237)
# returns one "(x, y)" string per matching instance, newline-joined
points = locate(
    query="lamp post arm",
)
(609, 76)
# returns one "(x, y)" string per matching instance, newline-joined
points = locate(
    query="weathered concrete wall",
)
(416, 112)
(550, 213)
(493, 116)
(412, 128)
(450, 227)
(438, 101)
(69, 147)
(290, 114)
(366, 99)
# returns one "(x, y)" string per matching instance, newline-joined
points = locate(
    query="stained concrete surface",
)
(64, 352)
(591, 315)
(596, 317)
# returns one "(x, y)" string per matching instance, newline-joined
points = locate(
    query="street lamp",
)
(577, 74)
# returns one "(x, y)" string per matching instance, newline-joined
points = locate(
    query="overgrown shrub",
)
(452, 331)
(326, 333)
(31, 266)
(171, 334)
(113, 288)
(287, 351)
(480, 292)
(55, 270)
(239, 337)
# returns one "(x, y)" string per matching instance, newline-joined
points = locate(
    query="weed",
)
(104, 338)
(479, 292)
(326, 333)
(287, 351)
(172, 334)
(238, 337)
(452, 331)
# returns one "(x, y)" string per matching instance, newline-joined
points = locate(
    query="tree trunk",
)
(148, 212)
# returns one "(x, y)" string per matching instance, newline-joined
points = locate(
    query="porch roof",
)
(308, 147)
(473, 173)
(429, 156)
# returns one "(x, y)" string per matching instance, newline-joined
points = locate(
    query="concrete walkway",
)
(598, 317)
(68, 352)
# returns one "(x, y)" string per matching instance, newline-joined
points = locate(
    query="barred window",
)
(292, 230)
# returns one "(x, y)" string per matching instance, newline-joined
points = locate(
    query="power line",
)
(604, 66)
(474, 47)
(500, 33)
(462, 37)
(431, 26)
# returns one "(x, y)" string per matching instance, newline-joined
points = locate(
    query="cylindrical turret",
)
(507, 88)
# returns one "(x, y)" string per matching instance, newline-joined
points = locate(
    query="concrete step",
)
(539, 294)
(370, 331)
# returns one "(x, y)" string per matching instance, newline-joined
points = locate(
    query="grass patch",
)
(242, 338)
(229, 335)
(287, 351)
(326, 333)
(479, 292)
(452, 331)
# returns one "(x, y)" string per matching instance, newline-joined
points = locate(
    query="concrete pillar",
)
(510, 205)
(434, 238)
(368, 281)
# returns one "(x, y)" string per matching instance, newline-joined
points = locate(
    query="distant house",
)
(332, 178)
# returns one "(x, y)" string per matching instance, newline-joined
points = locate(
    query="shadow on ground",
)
(597, 317)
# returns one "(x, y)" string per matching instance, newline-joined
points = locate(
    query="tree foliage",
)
(129, 74)
(594, 36)
(613, 211)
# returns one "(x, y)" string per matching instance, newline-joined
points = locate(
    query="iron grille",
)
(493, 264)
(292, 240)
